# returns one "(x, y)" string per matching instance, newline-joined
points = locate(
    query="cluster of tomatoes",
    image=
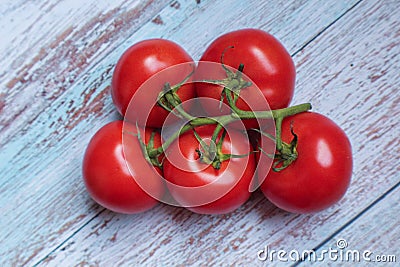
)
(208, 164)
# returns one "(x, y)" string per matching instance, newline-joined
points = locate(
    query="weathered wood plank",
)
(240, 235)
(57, 42)
(376, 231)
(237, 237)
(48, 184)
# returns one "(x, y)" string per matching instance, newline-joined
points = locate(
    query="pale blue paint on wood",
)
(43, 200)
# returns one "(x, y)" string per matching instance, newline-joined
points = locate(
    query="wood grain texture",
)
(376, 231)
(55, 46)
(55, 95)
(39, 166)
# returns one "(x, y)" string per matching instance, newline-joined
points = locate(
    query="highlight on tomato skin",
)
(266, 62)
(243, 83)
(321, 174)
(107, 177)
(138, 64)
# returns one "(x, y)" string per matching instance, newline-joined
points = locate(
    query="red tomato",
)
(107, 177)
(142, 61)
(266, 63)
(321, 174)
(199, 186)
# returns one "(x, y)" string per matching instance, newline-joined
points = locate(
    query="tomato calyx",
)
(284, 156)
(287, 154)
(169, 99)
(210, 152)
(232, 84)
(148, 149)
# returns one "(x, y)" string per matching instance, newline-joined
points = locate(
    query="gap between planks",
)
(293, 55)
(351, 221)
(326, 28)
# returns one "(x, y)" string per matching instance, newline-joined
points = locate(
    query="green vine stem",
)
(232, 85)
(221, 121)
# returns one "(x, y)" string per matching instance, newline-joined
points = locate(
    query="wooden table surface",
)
(56, 62)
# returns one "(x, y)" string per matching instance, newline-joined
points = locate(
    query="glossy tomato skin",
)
(228, 187)
(266, 63)
(107, 177)
(321, 174)
(142, 61)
